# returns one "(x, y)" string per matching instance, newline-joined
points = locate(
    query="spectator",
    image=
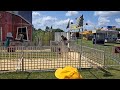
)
(64, 39)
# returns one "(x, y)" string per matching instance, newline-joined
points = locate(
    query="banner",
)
(74, 27)
(80, 21)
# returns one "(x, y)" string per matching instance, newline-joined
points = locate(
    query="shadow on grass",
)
(29, 73)
(115, 69)
(107, 45)
(107, 74)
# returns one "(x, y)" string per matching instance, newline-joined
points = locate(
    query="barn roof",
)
(20, 17)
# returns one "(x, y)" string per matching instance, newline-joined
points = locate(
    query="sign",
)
(9, 34)
(111, 27)
(93, 31)
(117, 49)
(74, 27)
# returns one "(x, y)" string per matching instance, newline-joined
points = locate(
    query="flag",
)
(80, 21)
(68, 25)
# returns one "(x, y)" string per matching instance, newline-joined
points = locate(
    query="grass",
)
(108, 48)
(86, 74)
(27, 75)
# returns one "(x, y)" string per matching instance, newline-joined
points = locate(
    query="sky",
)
(59, 19)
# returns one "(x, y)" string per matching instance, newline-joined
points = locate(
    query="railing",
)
(110, 57)
(25, 58)
(21, 58)
(90, 56)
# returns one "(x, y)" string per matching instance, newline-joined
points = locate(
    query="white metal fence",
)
(36, 58)
(107, 51)
(22, 58)
(25, 58)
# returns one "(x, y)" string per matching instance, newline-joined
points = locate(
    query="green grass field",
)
(111, 57)
(86, 74)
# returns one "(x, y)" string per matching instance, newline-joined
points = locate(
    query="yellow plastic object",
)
(67, 73)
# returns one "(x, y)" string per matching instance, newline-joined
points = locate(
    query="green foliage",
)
(57, 30)
(44, 36)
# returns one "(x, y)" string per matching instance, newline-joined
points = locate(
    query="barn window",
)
(22, 30)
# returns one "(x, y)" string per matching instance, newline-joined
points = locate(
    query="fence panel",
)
(23, 58)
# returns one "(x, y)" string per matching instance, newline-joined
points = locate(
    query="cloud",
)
(117, 20)
(48, 18)
(63, 22)
(38, 18)
(90, 25)
(71, 13)
(106, 13)
(104, 16)
(35, 14)
(42, 21)
(103, 21)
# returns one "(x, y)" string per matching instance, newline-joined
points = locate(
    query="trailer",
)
(108, 36)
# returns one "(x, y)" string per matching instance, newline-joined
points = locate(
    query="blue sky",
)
(59, 19)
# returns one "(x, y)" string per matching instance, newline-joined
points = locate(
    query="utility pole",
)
(68, 37)
(80, 24)
(81, 37)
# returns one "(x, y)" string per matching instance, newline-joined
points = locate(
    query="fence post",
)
(80, 59)
(22, 60)
(22, 64)
(104, 58)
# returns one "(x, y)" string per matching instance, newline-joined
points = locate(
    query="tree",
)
(47, 28)
(58, 30)
(40, 29)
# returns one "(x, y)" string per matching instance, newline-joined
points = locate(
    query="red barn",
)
(15, 24)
